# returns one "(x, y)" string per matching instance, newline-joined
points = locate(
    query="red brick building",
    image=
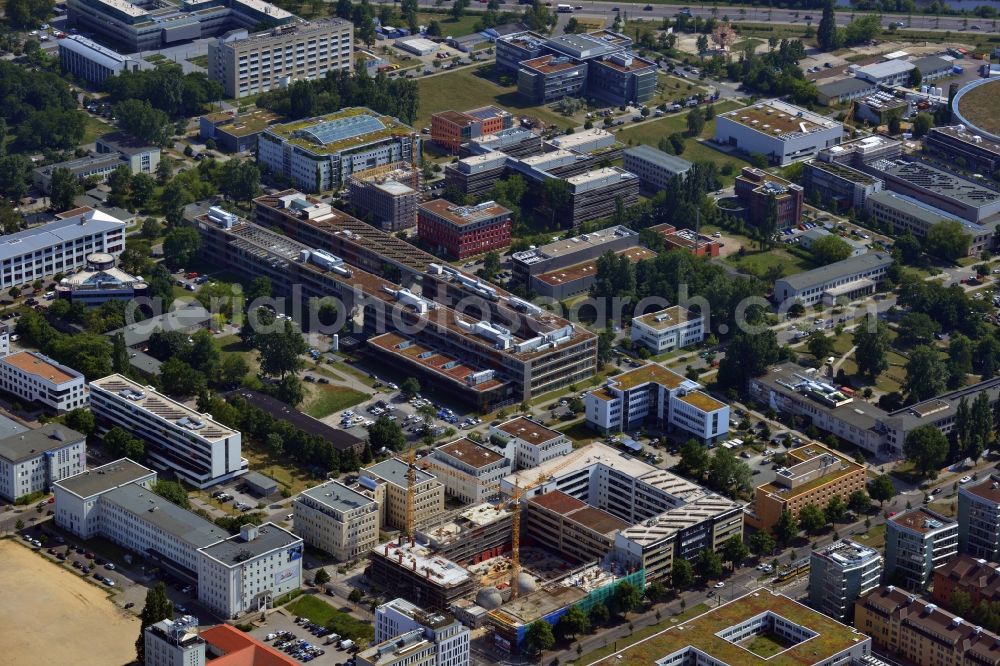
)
(463, 231)
(755, 186)
(450, 129)
(979, 578)
(685, 239)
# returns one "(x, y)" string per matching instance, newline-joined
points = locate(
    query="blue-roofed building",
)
(322, 153)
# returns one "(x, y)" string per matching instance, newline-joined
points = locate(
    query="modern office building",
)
(578, 278)
(36, 378)
(848, 279)
(725, 635)
(654, 167)
(140, 157)
(251, 64)
(812, 474)
(173, 643)
(781, 132)
(514, 48)
(398, 618)
(888, 73)
(388, 483)
(387, 196)
(668, 329)
(917, 542)
(469, 471)
(419, 575)
(101, 281)
(322, 153)
(879, 108)
(78, 509)
(811, 236)
(859, 153)
(148, 27)
(61, 246)
(979, 518)
(904, 213)
(596, 194)
(906, 627)
(528, 444)
(235, 132)
(963, 148)
(460, 232)
(477, 174)
(654, 394)
(571, 527)
(571, 251)
(977, 578)
(86, 59)
(842, 186)
(199, 450)
(840, 573)
(91, 167)
(337, 520)
(756, 187)
(451, 129)
(32, 460)
(956, 196)
(622, 78)
(549, 78)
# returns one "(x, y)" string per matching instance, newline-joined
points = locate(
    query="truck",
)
(564, 9)
(346, 644)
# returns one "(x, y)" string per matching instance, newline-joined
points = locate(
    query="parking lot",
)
(280, 626)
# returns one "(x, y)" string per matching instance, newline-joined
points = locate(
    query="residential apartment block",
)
(654, 167)
(849, 279)
(917, 542)
(839, 574)
(337, 520)
(399, 618)
(61, 246)
(655, 394)
(196, 448)
(528, 444)
(782, 132)
(813, 474)
(905, 626)
(979, 518)
(36, 378)
(251, 64)
(978, 578)
(322, 153)
(460, 232)
(387, 480)
(32, 460)
(668, 329)
(88, 60)
(469, 471)
(756, 187)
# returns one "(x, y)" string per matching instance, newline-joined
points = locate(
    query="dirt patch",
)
(64, 620)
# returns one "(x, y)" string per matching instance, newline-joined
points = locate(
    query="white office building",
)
(337, 520)
(668, 329)
(780, 131)
(654, 167)
(77, 505)
(449, 637)
(839, 574)
(174, 643)
(528, 443)
(61, 246)
(196, 448)
(652, 393)
(37, 378)
(469, 471)
(849, 279)
(32, 460)
(88, 60)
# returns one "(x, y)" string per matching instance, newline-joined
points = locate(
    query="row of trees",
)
(40, 105)
(167, 89)
(539, 636)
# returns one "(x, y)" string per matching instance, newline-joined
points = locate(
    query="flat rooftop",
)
(470, 452)
(442, 571)
(669, 523)
(587, 456)
(972, 140)
(656, 156)
(529, 430)
(941, 182)
(337, 496)
(100, 479)
(461, 216)
(666, 318)
(454, 117)
(31, 443)
(779, 119)
(921, 520)
(393, 470)
(576, 139)
(248, 123)
(988, 488)
(572, 509)
(548, 64)
(235, 549)
(649, 373)
(846, 553)
(579, 243)
(345, 129)
(429, 358)
(588, 269)
(702, 401)
(42, 367)
(180, 523)
(473, 518)
(702, 633)
(586, 46)
(168, 409)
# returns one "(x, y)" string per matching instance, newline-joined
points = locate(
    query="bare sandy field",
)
(51, 616)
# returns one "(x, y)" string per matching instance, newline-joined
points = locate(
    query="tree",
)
(289, 390)
(871, 341)
(158, 607)
(655, 591)
(491, 265)
(830, 249)
(959, 361)
(410, 387)
(894, 126)
(538, 637)
(180, 246)
(981, 427)
(702, 45)
(280, 351)
(573, 623)
(735, 551)
(695, 121)
(820, 345)
(826, 31)
(386, 433)
(63, 189)
(747, 356)
(709, 563)
(917, 328)
(321, 577)
(120, 444)
(682, 574)
(173, 492)
(882, 489)
(916, 78)
(240, 180)
(922, 124)
(836, 509)
(142, 121)
(859, 502)
(458, 9)
(13, 175)
(947, 240)
(785, 529)
(81, 420)
(728, 474)
(694, 458)
(179, 378)
(926, 374)
(260, 287)
(812, 518)
(762, 543)
(119, 354)
(926, 447)
(354, 596)
(599, 613)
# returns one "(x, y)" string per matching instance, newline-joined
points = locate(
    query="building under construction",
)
(388, 195)
(479, 533)
(418, 574)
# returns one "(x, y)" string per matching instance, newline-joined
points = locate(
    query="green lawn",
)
(320, 612)
(200, 61)
(766, 645)
(449, 26)
(760, 262)
(463, 89)
(94, 128)
(875, 537)
(741, 45)
(646, 632)
(328, 399)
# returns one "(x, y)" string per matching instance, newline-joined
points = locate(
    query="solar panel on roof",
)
(342, 128)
